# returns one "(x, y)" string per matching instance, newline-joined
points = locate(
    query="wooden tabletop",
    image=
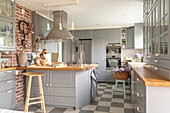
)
(69, 68)
(150, 78)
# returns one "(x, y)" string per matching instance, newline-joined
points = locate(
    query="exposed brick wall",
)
(19, 77)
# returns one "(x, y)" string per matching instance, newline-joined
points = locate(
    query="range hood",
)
(56, 34)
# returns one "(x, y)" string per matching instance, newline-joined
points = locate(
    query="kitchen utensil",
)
(43, 62)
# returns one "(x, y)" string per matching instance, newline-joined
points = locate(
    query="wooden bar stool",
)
(27, 103)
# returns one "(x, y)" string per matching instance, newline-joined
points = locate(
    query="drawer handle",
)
(98, 72)
(8, 91)
(157, 54)
(139, 109)
(139, 95)
(8, 71)
(137, 79)
(8, 81)
(156, 69)
(156, 61)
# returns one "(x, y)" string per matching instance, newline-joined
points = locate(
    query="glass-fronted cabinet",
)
(7, 25)
(7, 8)
(156, 29)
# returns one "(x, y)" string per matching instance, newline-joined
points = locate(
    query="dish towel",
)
(93, 84)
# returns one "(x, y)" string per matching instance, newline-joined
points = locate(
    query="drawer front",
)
(6, 85)
(162, 63)
(63, 101)
(161, 71)
(7, 75)
(8, 99)
(63, 92)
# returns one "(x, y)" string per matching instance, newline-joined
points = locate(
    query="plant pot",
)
(22, 59)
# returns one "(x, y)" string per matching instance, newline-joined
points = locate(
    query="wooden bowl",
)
(43, 62)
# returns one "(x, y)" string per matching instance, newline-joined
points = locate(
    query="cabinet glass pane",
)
(10, 27)
(153, 14)
(166, 6)
(2, 11)
(166, 23)
(3, 3)
(10, 40)
(162, 8)
(9, 5)
(166, 44)
(162, 26)
(162, 45)
(2, 26)
(155, 47)
(2, 39)
(10, 13)
(156, 14)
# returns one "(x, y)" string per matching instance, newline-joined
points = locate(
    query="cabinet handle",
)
(46, 84)
(155, 68)
(137, 79)
(133, 82)
(156, 61)
(97, 63)
(97, 67)
(8, 71)
(98, 72)
(133, 92)
(49, 84)
(157, 54)
(8, 91)
(139, 95)
(139, 109)
(8, 81)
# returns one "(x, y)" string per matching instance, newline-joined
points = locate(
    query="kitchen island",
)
(68, 86)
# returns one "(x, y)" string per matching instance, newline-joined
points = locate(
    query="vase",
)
(22, 59)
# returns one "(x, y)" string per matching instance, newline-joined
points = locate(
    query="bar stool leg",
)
(28, 94)
(41, 94)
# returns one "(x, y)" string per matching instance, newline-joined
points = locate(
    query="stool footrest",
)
(35, 98)
(35, 102)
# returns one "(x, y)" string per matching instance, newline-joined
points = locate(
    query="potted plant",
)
(121, 73)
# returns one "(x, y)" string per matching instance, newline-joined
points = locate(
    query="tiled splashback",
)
(129, 53)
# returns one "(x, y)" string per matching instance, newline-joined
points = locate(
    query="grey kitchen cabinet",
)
(82, 34)
(110, 77)
(65, 88)
(99, 33)
(99, 57)
(138, 34)
(60, 79)
(113, 35)
(130, 38)
(7, 89)
(7, 25)
(157, 30)
(40, 27)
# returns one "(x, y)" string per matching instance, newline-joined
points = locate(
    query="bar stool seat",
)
(41, 98)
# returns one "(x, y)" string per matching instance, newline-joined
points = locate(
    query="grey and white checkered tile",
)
(103, 103)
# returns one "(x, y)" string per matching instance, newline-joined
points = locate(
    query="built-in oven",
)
(113, 55)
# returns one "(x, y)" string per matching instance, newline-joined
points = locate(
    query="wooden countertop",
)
(150, 78)
(69, 68)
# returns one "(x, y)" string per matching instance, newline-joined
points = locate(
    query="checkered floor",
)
(103, 103)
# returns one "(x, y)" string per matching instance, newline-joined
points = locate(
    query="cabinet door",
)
(113, 35)
(138, 36)
(8, 99)
(110, 74)
(99, 33)
(62, 78)
(130, 38)
(99, 52)
(45, 78)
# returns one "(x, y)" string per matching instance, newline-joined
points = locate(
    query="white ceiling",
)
(94, 13)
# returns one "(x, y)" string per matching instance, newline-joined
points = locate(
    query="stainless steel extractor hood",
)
(56, 34)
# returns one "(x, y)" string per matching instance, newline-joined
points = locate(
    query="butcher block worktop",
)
(69, 68)
(150, 78)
